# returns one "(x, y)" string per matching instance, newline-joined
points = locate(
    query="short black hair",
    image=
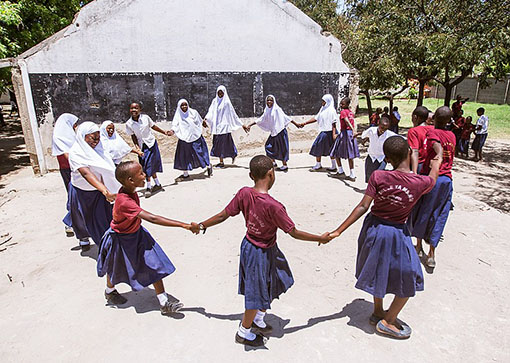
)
(259, 166)
(123, 171)
(422, 113)
(346, 100)
(385, 118)
(442, 116)
(395, 108)
(396, 149)
(386, 108)
(481, 110)
(136, 103)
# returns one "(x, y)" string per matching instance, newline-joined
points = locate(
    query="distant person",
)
(386, 112)
(465, 136)
(375, 117)
(13, 102)
(394, 120)
(115, 144)
(457, 126)
(457, 106)
(481, 132)
(417, 137)
(2, 121)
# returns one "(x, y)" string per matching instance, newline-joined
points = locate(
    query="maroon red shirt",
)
(346, 113)
(447, 141)
(263, 215)
(125, 212)
(417, 140)
(467, 129)
(395, 193)
(63, 162)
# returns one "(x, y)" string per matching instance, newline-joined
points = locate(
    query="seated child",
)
(264, 273)
(387, 262)
(128, 253)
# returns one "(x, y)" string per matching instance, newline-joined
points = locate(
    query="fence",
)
(497, 92)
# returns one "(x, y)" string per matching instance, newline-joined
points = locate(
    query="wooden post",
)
(477, 90)
(505, 100)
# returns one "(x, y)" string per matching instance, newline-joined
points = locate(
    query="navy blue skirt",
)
(322, 144)
(277, 147)
(479, 141)
(133, 258)
(429, 215)
(91, 213)
(66, 177)
(264, 274)
(371, 166)
(191, 155)
(387, 262)
(151, 160)
(223, 146)
(464, 146)
(345, 146)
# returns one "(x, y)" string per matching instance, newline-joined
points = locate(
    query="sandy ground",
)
(53, 309)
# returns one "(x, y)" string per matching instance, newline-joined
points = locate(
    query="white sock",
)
(156, 181)
(246, 333)
(259, 319)
(84, 242)
(352, 174)
(317, 165)
(185, 174)
(148, 184)
(163, 298)
(109, 290)
(340, 169)
(333, 163)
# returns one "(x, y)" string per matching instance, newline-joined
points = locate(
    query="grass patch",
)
(499, 115)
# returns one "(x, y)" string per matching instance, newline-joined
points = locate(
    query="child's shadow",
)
(357, 190)
(145, 301)
(92, 253)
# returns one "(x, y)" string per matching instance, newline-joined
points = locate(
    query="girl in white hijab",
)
(191, 151)
(63, 139)
(326, 122)
(275, 121)
(93, 185)
(223, 120)
(114, 144)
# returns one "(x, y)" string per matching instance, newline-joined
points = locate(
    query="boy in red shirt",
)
(128, 253)
(417, 138)
(467, 129)
(428, 218)
(264, 273)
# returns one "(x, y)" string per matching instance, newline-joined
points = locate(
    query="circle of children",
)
(412, 199)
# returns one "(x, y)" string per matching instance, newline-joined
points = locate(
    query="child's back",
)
(447, 140)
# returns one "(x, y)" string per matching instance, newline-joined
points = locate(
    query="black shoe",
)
(257, 342)
(69, 231)
(114, 298)
(182, 178)
(219, 165)
(264, 331)
(148, 193)
(171, 307)
(209, 171)
(157, 188)
(85, 245)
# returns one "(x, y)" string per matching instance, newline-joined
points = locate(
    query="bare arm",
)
(162, 221)
(167, 133)
(356, 213)
(415, 154)
(96, 183)
(214, 220)
(248, 127)
(296, 124)
(310, 121)
(305, 236)
(135, 140)
(435, 163)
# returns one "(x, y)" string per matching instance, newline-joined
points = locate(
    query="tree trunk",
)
(391, 103)
(448, 94)
(369, 102)
(421, 92)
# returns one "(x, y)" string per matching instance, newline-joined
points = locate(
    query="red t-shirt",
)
(63, 162)
(417, 140)
(456, 107)
(395, 193)
(263, 215)
(467, 129)
(447, 141)
(125, 213)
(374, 119)
(460, 122)
(346, 113)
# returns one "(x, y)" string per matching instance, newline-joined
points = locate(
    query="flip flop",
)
(403, 333)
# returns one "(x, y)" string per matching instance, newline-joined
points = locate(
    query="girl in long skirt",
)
(114, 144)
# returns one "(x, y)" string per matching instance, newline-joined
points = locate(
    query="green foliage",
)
(323, 12)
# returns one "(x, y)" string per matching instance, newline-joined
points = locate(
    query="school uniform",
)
(465, 136)
(387, 262)
(375, 158)
(374, 119)
(345, 146)
(191, 151)
(223, 120)
(326, 118)
(457, 131)
(481, 134)
(429, 217)
(142, 129)
(417, 140)
(116, 147)
(264, 273)
(275, 121)
(394, 121)
(128, 253)
(91, 213)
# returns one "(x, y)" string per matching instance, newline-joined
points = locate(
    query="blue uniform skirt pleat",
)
(345, 146)
(66, 178)
(277, 147)
(191, 155)
(91, 213)
(132, 258)
(264, 274)
(371, 166)
(464, 146)
(223, 146)
(151, 159)
(322, 144)
(428, 217)
(387, 262)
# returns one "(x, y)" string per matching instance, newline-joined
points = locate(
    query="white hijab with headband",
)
(63, 134)
(327, 114)
(273, 120)
(115, 145)
(187, 125)
(221, 117)
(96, 159)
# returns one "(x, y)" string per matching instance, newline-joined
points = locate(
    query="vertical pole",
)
(505, 100)
(477, 90)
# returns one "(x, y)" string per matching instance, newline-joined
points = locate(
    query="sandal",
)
(403, 333)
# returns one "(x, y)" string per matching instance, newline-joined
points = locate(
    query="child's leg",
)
(419, 246)
(432, 252)
(111, 294)
(248, 317)
(221, 160)
(167, 307)
(109, 283)
(390, 318)
(339, 163)
(159, 287)
(284, 163)
(378, 307)
(351, 167)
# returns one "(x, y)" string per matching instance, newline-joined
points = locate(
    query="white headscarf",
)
(273, 120)
(327, 114)
(187, 125)
(63, 134)
(97, 159)
(221, 117)
(115, 145)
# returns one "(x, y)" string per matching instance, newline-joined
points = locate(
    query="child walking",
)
(275, 121)
(223, 120)
(264, 273)
(387, 262)
(140, 127)
(346, 145)
(326, 121)
(128, 252)
(417, 137)
(428, 219)
(114, 144)
(467, 129)
(191, 151)
(481, 132)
